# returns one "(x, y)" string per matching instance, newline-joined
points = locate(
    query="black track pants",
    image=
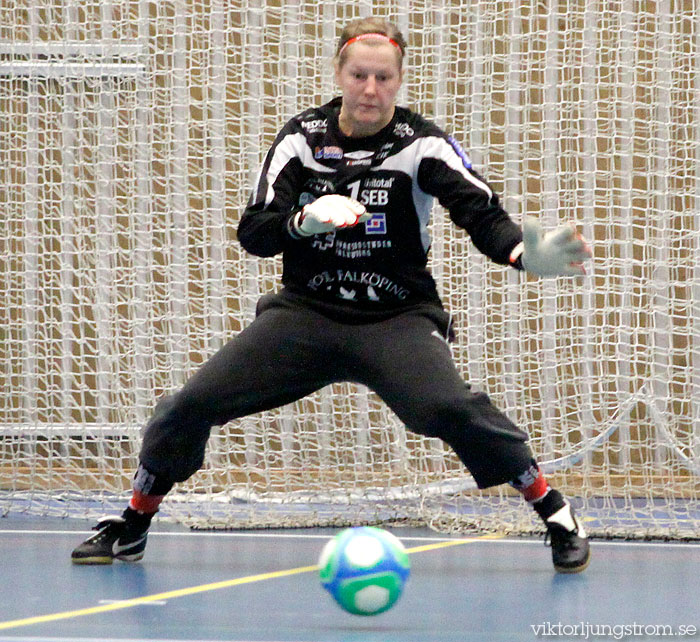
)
(290, 351)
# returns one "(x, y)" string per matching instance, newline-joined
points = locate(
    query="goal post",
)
(130, 135)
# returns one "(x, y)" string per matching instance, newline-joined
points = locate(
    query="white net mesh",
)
(130, 134)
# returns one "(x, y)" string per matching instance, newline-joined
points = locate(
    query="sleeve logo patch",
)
(460, 152)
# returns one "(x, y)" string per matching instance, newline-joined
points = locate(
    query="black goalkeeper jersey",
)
(380, 266)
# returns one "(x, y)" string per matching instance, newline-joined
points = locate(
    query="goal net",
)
(130, 133)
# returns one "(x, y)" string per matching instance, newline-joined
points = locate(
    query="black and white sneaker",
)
(571, 552)
(116, 538)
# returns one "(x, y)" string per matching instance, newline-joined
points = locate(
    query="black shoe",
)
(571, 552)
(116, 538)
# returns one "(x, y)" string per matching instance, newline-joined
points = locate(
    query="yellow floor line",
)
(203, 588)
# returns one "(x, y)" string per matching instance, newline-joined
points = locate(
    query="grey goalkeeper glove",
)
(560, 252)
(328, 213)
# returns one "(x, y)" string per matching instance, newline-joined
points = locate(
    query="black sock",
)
(136, 521)
(549, 504)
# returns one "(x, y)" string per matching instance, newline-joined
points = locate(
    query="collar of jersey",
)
(349, 143)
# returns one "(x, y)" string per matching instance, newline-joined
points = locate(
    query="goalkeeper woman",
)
(345, 195)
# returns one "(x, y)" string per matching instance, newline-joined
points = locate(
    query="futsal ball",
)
(364, 569)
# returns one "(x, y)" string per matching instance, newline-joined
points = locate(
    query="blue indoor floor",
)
(227, 586)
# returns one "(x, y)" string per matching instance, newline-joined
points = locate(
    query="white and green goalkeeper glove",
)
(560, 252)
(328, 213)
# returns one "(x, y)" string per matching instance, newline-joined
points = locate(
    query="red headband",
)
(364, 36)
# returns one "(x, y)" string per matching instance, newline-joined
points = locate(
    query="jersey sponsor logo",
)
(352, 285)
(319, 125)
(376, 224)
(318, 185)
(349, 249)
(359, 155)
(374, 197)
(460, 152)
(403, 129)
(378, 183)
(324, 242)
(329, 152)
(360, 249)
(384, 151)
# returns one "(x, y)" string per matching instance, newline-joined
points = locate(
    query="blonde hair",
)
(370, 25)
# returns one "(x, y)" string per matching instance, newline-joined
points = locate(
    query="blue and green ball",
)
(364, 569)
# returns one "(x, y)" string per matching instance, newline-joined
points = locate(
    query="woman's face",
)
(369, 78)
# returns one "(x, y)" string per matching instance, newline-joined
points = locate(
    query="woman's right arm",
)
(263, 228)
